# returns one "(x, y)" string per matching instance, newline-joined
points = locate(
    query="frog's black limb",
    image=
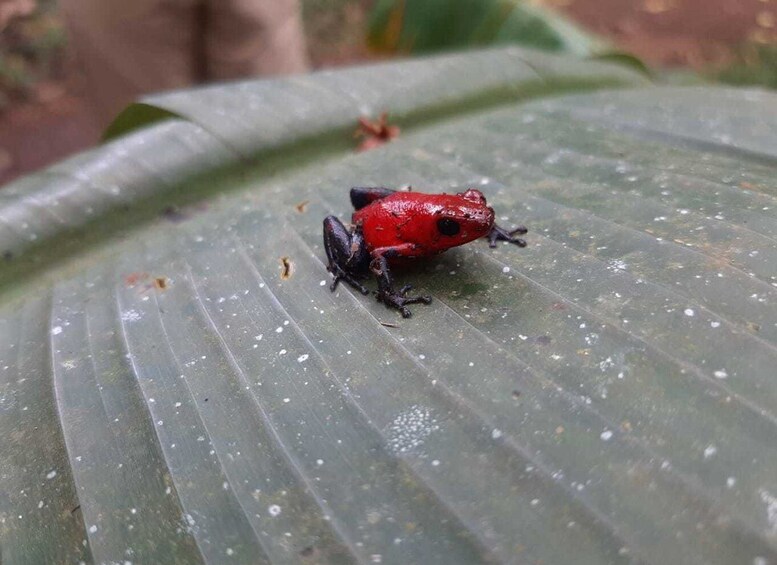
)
(361, 196)
(347, 254)
(386, 292)
(501, 234)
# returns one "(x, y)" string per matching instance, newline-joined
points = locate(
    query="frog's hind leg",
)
(361, 196)
(347, 254)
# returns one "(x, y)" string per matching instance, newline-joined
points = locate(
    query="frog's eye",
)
(473, 195)
(447, 226)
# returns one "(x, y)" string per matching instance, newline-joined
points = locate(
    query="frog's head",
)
(462, 218)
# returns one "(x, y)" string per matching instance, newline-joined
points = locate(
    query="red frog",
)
(393, 227)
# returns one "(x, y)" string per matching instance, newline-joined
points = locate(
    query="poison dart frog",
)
(393, 227)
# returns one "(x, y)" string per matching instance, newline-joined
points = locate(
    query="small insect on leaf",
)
(287, 268)
(161, 283)
(375, 133)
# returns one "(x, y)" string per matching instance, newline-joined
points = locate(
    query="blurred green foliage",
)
(422, 26)
(32, 47)
(755, 64)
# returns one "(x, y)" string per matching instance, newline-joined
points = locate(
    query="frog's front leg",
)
(501, 234)
(386, 292)
(347, 253)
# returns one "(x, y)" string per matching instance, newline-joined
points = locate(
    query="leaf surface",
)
(605, 395)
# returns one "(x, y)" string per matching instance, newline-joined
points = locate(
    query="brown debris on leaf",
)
(287, 268)
(302, 206)
(144, 282)
(376, 132)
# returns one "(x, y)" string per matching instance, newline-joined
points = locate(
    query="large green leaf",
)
(605, 395)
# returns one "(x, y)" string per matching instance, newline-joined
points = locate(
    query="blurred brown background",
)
(45, 115)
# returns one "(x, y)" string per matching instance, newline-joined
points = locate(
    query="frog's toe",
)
(340, 275)
(498, 233)
(399, 301)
